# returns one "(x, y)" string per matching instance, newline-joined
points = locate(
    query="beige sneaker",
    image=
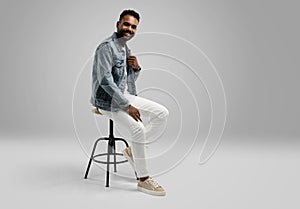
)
(150, 186)
(128, 155)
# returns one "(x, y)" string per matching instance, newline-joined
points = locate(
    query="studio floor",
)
(48, 173)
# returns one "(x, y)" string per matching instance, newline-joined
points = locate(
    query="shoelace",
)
(154, 183)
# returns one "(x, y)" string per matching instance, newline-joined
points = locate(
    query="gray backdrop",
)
(253, 45)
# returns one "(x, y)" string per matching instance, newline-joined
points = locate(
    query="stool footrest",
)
(105, 162)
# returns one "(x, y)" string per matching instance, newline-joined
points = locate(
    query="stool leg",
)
(115, 156)
(112, 142)
(123, 140)
(109, 152)
(91, 158)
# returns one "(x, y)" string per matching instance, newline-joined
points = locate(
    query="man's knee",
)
(164, 113)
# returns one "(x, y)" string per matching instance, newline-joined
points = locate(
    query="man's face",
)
(127, 27)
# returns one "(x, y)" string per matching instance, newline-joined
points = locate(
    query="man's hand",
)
(135, 113)
(132, 62)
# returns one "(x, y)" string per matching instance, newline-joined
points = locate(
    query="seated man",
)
(114, 94)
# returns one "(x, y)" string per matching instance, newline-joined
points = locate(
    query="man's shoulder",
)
(103, 46)
(106, 43)
(107, 40)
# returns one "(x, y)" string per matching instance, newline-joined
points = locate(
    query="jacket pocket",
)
(118, 68)
(118, 61)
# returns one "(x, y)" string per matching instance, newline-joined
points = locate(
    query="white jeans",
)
(140, 132)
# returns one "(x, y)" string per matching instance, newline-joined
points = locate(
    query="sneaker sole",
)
(147, 191)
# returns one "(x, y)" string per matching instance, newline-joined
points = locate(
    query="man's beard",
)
(125, 34)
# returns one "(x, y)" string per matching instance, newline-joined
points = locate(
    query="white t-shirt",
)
(125, 58)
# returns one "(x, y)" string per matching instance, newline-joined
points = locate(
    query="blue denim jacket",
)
(108, 73)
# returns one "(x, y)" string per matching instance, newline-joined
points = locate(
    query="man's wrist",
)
(137, 69)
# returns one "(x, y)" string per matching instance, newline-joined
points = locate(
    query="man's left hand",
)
(132, 62)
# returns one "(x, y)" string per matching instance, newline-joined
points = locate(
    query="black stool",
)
(111, 150)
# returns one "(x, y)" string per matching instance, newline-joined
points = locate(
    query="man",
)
(115, 71)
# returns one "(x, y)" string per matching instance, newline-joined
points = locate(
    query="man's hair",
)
(130, 12)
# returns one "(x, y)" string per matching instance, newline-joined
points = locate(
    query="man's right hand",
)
(134, 112)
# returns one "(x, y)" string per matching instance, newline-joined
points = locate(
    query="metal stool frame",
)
(111, 150)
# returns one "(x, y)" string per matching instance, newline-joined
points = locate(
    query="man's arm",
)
(133, 62)
(136, 72)
(103, 63)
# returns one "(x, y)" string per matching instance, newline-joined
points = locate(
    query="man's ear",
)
(117, 24)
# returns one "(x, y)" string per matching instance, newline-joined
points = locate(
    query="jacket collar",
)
(118, 45)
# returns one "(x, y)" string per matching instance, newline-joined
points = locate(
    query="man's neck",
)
(121, 40)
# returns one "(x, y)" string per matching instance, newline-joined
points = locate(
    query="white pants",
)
(140, 132)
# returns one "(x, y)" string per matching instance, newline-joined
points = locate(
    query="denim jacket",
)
(108, 72)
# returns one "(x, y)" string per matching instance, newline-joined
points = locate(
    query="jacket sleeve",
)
(136, 74)
(103, 64)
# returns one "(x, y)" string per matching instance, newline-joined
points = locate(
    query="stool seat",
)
(111, 150)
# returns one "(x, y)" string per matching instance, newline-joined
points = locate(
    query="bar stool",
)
(111, 150)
